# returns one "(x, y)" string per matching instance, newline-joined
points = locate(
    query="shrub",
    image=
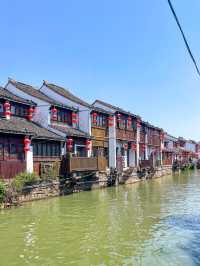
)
(24, 179)
(2, 191)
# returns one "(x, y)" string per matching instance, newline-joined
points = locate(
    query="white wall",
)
(84, 114)
(190, 146)
(112, 145)
(42, 115)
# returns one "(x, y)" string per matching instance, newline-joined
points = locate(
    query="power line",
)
(184, 37)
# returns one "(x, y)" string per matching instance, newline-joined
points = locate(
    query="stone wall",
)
(40, 191)
(47, 189)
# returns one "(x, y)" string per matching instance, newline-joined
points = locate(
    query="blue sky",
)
(129, 53)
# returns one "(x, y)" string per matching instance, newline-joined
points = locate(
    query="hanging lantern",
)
(110, 121)
(88, 145)
(133, 146)
(30, 113)
(118, 118)
(7, 111)
(129, 122)
(94, 118)
(138, 123)
(69, 144)
(54, 112)
(74, 119)
(27, 143)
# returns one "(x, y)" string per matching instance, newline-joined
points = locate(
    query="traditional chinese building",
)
(24, 144)
(59, 117)
(100, 121)
(123, 136)
(151, 144)
(170, 151)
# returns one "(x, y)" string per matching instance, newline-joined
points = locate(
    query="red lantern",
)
(74, 118)
(133, 146)
(54, 112)
(88, 145)
(118, 118)
(94, 118)
(138, 123)
(27, 143)
(7, 111)
(69, 144)
(30, 113)
(110, 121)
(129, 122)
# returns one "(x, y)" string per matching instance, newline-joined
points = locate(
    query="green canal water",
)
(152, 223)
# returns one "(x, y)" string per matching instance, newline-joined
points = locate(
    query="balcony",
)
(83, 164)
(128, 135)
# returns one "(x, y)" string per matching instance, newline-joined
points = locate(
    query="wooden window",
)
(35, 149)
(13, 151)
(64, 116)
(20, 151)
(6, 151)
(1, 151)
(49, 150)
(122, 123)
(46, 149)
(19, 109)
(39, 149)
(101, 120)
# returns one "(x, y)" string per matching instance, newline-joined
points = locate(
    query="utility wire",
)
(184, 37)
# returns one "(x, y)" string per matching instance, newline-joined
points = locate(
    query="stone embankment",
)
(76, 184)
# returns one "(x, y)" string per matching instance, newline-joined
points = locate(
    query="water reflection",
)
(149, 223)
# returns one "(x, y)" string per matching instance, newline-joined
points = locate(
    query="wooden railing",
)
(9, 169)
(129, 135)
(146, 163)
(81, 164)
(167, 161)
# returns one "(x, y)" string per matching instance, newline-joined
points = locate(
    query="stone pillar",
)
(88, 147)
(29, 160)
(162, 135)
(112, 144)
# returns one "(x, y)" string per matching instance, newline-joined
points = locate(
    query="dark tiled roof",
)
(37, 93)
(17, 125)
(66, 93)
(115, 108)
(147, 124)
(101, 110)
(70, 131)
(7, 95)
(118, 109)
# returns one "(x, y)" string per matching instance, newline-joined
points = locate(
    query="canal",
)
(151, 223)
